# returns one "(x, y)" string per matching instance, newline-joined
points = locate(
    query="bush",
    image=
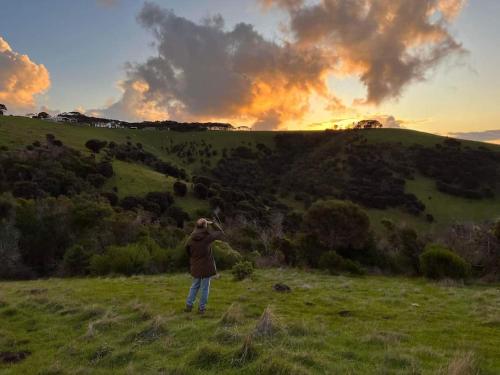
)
(438, 262)
(288, 248)
(143, 257)
(216, 202)
(242, 270)
(225, 256)
(333, 262)
(180, 189)
(76, 261)
(163, 199)
(309, 249)
(127, 260)
(178, 215)
(105, 168)
(338, 225)
(26, 190)
(95, 145)
(200, 191)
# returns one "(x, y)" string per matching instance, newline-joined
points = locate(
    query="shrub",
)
(289, 250)
(333, 262)
(178, 215)
(111, 197)
(310, 249)
(76, 261)
(216, 202)
(128, 260)
(131, 203)
(96, 180)
(163, 199)
(225, 256)
(200, 191)
(105, 168)
(180, 189)
(438, 262)
(144, 256)
(338, 225)
(95, 145)
(242, 270)
(26, 190)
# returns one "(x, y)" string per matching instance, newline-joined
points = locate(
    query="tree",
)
(95, 145)
(3, 109)
(42, 115)
(180, 188)
(368, 124)
(338, 225)
(200, 191)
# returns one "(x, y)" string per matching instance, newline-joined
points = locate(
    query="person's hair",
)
(201, 223)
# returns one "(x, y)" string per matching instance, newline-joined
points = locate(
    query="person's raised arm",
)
(218, 233)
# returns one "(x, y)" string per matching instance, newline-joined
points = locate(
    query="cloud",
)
(20, 79)
(135, 104)
(387, 44)
(204, 71)
(389, 121)
(482, 136)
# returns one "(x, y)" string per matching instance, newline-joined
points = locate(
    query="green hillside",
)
(20, 131)
(137, 179)
(326, 325)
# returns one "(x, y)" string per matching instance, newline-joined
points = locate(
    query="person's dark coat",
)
(201, 259)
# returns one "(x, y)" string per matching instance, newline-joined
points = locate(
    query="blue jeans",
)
(204, 285)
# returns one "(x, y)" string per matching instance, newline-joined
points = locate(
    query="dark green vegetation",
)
(438, 262)
(326, 324)
(79, 200)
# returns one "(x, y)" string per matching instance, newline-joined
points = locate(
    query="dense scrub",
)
(50, 169)
(60, 217)
(343, 165)
(438, 262)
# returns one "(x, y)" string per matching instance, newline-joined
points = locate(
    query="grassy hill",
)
(137, 179)
(327, 324)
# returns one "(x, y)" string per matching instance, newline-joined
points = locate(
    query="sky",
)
(429, 65)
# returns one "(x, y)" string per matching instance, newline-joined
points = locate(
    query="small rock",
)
(282, 288)
(345, 313)
(13, 357)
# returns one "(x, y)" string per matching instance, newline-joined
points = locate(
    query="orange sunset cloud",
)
(20, 78)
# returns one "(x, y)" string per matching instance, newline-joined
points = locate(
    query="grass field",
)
(445, 208)
(326, 325)
(136, 179)
(410, 137)
(20, 131)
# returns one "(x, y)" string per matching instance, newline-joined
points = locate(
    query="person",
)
(201, 262)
